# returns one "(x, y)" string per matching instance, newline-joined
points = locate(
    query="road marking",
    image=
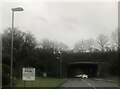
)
(89, 84)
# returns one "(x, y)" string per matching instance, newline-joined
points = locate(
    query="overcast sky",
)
(65, 22)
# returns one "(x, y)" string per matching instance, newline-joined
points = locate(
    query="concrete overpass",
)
(92, 69)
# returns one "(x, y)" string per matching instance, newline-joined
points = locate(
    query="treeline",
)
(45, 55)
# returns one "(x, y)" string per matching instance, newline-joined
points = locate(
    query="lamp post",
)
(13, 10)
(60, 64)
(60, 59)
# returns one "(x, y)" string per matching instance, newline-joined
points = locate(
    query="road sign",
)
(28, 74)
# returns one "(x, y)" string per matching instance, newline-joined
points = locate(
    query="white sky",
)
(65, 22)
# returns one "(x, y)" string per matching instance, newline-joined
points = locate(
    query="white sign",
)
(28, 74)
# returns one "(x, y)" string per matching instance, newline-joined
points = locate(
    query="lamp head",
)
(17, 9)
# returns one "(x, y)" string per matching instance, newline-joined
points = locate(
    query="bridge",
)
(93, 64)
(92, 69)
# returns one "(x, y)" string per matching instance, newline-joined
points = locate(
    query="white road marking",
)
(89, 84)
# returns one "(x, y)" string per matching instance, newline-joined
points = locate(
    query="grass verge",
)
(40, 82)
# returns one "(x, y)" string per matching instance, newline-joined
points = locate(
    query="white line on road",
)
(89, 84)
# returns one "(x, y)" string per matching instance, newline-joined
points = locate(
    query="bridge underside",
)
(89, 68)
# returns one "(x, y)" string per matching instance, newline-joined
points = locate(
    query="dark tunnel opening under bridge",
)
(76, 68)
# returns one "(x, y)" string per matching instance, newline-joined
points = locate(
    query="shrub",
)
(5, 80)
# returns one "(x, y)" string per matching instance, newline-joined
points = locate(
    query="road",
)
(78, 83)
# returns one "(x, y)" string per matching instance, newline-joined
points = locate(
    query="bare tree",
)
(102, 41)
(62, 47)
(114, 40)
(84, 46)
(90, 45)
(80, 46)
(48, 44)
(115, 37)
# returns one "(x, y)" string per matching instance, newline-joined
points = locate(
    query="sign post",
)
(28, 74)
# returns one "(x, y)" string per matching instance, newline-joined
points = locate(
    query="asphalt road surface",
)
(78, 83)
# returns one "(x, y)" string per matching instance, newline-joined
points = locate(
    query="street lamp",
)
(60, 64)
(13, 10)
(60, 58)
